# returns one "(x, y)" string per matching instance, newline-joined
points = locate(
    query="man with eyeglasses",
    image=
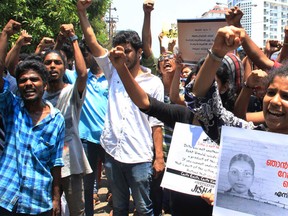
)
(166, 68)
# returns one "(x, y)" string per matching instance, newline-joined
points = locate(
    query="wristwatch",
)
(73, 38)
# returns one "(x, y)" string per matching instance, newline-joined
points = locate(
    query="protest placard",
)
(195, 36)
(192, 161)
(252, 177)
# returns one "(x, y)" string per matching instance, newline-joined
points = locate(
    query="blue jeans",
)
(123, 176)
(94, 153)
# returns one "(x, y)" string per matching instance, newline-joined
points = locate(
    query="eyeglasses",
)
(163, 57)
(57, 62)
(244, 174)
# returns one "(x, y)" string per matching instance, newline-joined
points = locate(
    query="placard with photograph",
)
(252, 174)
(195, 36)
(192, 161)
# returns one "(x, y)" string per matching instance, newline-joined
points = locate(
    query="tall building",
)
(263, 19)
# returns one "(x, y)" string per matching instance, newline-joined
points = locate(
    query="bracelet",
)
(213, 56)
(73, 38)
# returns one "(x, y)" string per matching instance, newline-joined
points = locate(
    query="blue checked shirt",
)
(30, 151)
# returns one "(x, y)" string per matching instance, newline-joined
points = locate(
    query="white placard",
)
(192, 161)
(257, 183)
(196, 36)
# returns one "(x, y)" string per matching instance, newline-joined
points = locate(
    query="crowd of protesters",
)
(73, 105)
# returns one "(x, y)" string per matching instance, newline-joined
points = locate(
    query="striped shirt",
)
(30, 151)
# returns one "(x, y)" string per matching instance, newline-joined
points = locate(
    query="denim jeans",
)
(73, 188)
(94, 153)
(157, 195)
(137, 177)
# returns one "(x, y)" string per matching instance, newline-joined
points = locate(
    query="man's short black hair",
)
(59, 53)
(34, 65)
(128, 36)
(36, 57)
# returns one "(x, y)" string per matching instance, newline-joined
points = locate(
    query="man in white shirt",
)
(130, 138)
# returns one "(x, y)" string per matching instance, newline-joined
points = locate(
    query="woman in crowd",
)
(204, 101)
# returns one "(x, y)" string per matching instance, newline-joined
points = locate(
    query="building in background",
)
(263, 19)
(218, 11)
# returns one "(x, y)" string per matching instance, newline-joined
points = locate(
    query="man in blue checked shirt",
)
(31, 160)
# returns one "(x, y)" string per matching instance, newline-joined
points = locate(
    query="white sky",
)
(130, 14)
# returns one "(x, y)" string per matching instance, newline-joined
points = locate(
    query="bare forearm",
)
(283, 55)
(3, 49)
(80, 66)
(255, 117)
(205, 76)
(136, 93)
(90, 38)
(242, 102)
(158, 142)
(56, 191)
(56, 173)
(12, 58)
(159, 164)
(58, 45)
(255, 54)
(174, 89)
(146, 35)
(79, 60)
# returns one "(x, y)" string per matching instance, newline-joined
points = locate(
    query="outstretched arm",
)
(140, 99)
(90, 38)
(254, 80)
(227, 39)
(10, 28)
(46, 42)
(174, 88)
(68, 31)
(136, 93)
(12, 57)
(162, 46)
(283, 55)
(60, 40)
(271, 47)
(146, 30)
(233, 17)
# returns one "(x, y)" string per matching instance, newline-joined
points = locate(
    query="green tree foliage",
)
(42, 18)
